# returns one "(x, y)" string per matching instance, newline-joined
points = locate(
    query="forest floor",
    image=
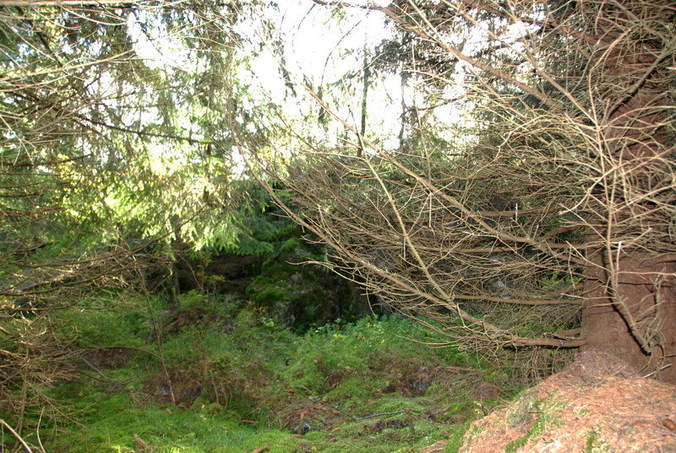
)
(216, 375)
(596, 405)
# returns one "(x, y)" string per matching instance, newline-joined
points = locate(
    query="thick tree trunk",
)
(648, 301)
(630, 308)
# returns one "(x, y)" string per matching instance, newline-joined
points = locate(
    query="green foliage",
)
(115, 422)
(125, 318)
(124, 146)
(356, 346)
(300, 296)
(455, 439)
(102, 149)
(254, 379)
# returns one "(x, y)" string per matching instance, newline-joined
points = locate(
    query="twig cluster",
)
(563, 201)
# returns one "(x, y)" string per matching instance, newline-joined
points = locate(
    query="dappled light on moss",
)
(228, 381)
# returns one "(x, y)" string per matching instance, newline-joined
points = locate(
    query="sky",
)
(320, 45)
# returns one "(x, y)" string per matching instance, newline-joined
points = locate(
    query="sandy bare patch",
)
(597, 404)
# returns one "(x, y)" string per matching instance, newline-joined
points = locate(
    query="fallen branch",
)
(16, 435)
(261, 450)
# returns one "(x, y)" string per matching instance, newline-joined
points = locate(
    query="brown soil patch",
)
(413, 379)
(109, 358)
(597, 404)
(304, 418)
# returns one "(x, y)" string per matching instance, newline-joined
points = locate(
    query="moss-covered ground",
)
(216, 375)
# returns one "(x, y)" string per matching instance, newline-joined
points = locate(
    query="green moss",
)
(248, 369)
(384, 436)
(547, 416)
(290, 245)
(351, 387)
(456, 437)
(125, 320)
(595, 445)
(118, 423)
(523, 413)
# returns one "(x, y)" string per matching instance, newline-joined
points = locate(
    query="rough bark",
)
(630, 310)
(648, 299)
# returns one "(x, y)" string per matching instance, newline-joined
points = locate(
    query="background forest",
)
(320, 224)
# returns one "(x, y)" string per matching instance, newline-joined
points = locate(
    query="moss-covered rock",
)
(302, 296)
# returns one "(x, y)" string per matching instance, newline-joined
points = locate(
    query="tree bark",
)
(366, 72)
(630, 307)
(649, 299)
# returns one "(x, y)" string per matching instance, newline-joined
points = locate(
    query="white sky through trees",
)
(318, 46)
(287, 52)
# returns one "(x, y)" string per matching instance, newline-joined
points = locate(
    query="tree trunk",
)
(650, 302)
(364, 102)
(630, 308)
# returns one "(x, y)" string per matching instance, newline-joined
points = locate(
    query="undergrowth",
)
(214, 375)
